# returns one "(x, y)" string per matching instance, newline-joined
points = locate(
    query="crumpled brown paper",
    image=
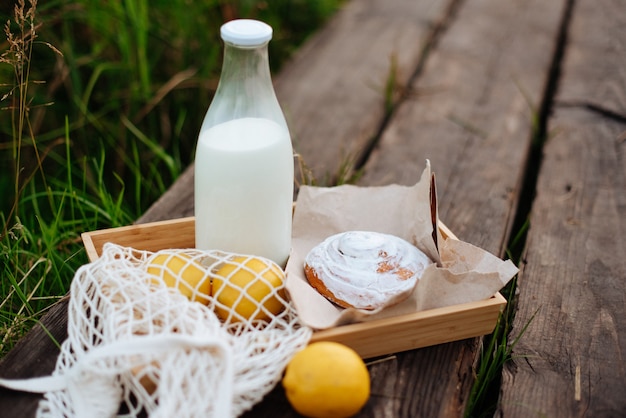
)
(461, 273)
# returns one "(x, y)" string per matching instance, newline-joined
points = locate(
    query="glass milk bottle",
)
(244, 164)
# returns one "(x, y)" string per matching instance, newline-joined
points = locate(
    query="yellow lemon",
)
(327, 379)
(180, 271)
(240, 287)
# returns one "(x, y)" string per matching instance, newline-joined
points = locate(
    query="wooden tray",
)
(369, 339)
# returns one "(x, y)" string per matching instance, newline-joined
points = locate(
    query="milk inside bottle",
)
(244, 168)
(244, 188)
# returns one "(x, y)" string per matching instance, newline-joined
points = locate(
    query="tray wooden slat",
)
(417, 330)
(154, 236)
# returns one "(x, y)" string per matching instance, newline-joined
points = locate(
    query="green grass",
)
(101, 103)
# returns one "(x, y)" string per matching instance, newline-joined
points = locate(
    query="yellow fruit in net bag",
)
(178, 270)
(245, 283)
(327, 379)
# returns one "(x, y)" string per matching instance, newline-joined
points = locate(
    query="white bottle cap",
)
(246, 32)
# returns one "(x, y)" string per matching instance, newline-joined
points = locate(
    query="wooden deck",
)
(472, 86)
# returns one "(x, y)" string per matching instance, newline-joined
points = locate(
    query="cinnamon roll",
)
(364, 270)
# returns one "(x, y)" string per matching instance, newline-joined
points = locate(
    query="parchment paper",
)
(461, 272)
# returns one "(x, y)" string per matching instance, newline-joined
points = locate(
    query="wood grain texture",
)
(333, 92)
(159, 235)
(176, 202)
(419, 329)
(472, 114)
(570, 362)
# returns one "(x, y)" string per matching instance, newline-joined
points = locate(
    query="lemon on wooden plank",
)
(179, 270)
(243, 284)
(327, 380)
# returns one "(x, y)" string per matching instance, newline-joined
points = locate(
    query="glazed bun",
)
(364, 270)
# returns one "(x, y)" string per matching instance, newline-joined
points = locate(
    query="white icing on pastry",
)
(366, 269)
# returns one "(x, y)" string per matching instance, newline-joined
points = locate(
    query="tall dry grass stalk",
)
(21, 36)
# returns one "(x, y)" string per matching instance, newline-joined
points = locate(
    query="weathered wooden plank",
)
(34, 355)
(471, 114)
(333, 93)
(570, 361)
(333, 90)
(176, 202)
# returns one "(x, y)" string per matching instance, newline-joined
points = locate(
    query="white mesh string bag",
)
(143, 341)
